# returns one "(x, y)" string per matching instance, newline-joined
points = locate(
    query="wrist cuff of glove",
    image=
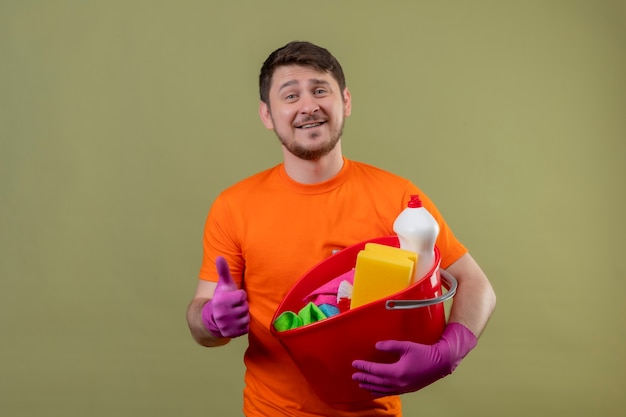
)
(208, 321)
(460, 340)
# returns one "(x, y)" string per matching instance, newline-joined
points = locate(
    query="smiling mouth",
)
(310, 125)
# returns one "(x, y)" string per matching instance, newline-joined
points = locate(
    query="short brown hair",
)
(299, 53)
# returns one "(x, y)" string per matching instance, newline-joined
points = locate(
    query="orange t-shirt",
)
(272, 230)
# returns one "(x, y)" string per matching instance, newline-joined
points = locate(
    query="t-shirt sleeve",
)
(220, 239)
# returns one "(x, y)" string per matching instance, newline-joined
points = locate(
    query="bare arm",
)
(475, 299)
(204, 292)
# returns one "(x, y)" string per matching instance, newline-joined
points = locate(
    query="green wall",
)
(120, 121)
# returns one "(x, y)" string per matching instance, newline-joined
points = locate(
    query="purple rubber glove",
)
(227, 313)
(418, 366)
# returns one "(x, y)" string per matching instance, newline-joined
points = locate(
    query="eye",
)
(291, 97)
(320, 91)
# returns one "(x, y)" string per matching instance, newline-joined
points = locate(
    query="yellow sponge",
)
(380, 271)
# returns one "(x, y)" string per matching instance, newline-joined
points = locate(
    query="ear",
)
(347, 102)
(266, 116)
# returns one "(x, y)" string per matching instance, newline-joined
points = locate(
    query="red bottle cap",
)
(415, 201)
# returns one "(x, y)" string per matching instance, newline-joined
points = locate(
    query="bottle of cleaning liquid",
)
(417, 231)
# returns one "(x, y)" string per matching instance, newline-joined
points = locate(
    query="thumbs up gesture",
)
(227, 313)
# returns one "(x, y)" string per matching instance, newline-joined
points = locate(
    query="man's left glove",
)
(418, 366)
(227, 313)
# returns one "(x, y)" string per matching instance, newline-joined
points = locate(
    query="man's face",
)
(306, 110)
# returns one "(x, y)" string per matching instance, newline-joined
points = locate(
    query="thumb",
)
(225, 281)
(390, 346)
(394, 346)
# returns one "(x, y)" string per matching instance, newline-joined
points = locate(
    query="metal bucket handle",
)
(446, 278)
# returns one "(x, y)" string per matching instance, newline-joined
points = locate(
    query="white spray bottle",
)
(417, 231)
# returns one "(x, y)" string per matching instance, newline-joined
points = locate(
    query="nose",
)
(308, 104)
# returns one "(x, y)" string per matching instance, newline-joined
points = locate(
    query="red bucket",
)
(324, 350)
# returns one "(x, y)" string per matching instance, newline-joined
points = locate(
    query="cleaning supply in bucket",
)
(328, 293)
(325, 351)
(288, 320)
(325, 301)
(344, 294)
(380, 271)
(417, 232)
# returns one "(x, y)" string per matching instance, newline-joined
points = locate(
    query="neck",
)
(313, 172)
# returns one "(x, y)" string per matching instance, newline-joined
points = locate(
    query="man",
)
(263, 233)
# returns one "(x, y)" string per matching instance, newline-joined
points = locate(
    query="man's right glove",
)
(227, 313)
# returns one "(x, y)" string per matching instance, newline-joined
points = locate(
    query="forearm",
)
(475, 299)
(199, 333)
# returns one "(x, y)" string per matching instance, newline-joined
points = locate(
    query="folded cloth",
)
(327, 293)
(326, 301)
(311, 313)
(329, 310)
(288, 320)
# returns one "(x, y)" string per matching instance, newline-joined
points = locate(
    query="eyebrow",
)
(312, 81)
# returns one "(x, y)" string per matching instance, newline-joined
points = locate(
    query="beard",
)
(312, 153)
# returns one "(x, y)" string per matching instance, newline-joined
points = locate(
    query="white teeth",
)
(309, 126)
